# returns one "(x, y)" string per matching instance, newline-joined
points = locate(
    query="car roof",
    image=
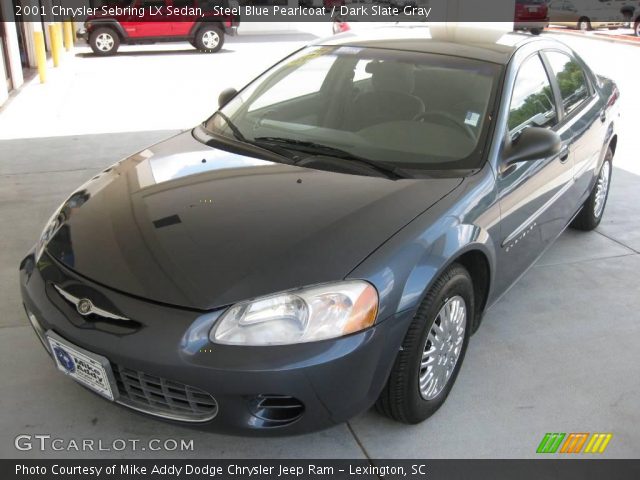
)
(486, 44)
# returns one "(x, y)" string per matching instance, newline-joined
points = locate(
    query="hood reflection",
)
(154, 169)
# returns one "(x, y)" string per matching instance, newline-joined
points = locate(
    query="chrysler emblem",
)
(85, 307)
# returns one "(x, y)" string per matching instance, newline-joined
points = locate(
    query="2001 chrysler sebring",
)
(330, 237)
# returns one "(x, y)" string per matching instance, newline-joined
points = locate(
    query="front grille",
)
(163, 398)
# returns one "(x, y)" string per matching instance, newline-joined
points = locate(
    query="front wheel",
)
(432, 351)
(209, 39)
(593, 207)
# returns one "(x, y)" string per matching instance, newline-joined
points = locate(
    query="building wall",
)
(13, 57)
(4, 88)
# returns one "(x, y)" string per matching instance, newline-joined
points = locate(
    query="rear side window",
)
(571, 80)
(532, 100)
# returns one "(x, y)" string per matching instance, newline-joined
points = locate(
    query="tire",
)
(209, 39)
(636, 28)
(104, 41)
(536, 31)
(584, 24)
(402, 398)
(593, 208)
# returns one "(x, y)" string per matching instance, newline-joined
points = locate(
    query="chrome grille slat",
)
(162, 397)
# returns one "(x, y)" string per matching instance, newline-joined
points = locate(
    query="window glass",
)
(303, 81)
(415, 110)
(532, 100)
(360, 71)
(571, 80)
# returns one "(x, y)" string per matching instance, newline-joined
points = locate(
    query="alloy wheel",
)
(443, 347)
(602, 187)
(210, 39)
(104, 42)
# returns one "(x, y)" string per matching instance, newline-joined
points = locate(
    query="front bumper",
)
(332, 380)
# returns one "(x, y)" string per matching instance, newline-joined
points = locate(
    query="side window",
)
(571, 80)
(360, 71)
(532, 99)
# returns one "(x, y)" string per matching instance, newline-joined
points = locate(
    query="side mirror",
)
(533, 143)
(226, 96)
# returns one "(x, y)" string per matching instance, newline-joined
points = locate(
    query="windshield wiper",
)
(281, 152)
(232, 126)
(326, 150)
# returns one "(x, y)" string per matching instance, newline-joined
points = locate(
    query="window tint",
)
(571, 79)
(532, 100)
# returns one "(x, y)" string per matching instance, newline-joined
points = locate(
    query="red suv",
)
(532, 15)
(149, 21)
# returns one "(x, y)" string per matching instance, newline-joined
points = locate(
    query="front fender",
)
(406, 266)
(411, 271)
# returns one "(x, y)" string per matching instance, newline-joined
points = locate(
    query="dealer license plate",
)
(89, 369)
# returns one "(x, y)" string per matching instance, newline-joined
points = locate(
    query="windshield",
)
(410, 110)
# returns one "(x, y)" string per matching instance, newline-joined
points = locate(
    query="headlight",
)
(50, 228)
(298, 316)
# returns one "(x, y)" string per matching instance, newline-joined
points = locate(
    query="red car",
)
(149, 21)
(531, 15)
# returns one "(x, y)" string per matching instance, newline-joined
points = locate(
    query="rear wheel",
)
(104, 41)
(209, 39)
(432, 351)
(593, 207)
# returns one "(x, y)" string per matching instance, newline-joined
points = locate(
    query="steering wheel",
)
(448, 118)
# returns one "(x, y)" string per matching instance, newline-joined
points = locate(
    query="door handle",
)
(564, 153)
(603, 116)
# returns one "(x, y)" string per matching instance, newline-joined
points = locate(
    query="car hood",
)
(189, 225)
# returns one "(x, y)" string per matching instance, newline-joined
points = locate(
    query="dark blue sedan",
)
(331, 237)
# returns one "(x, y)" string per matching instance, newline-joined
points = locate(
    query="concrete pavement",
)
(558, 353)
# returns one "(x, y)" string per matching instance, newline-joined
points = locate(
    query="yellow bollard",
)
(41, 57)
(68, 35)
(55, 47)
(60, 37)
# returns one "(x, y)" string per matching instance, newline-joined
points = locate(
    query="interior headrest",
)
(391, 76)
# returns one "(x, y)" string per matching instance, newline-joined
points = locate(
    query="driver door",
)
(151, 23)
